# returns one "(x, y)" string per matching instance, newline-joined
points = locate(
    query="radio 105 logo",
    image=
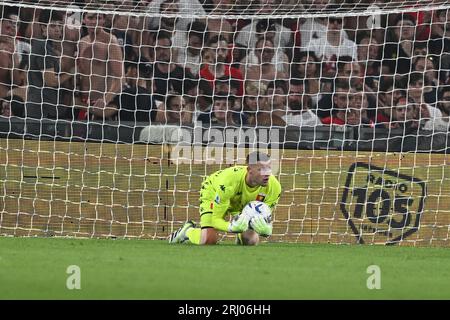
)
(382, 205)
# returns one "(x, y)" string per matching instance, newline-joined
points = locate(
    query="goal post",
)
(112, 113)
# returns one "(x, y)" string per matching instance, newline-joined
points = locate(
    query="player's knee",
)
(250, 238)
(209, 236)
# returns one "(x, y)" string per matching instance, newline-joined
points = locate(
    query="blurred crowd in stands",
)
(169, 67)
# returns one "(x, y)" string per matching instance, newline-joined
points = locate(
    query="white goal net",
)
(112, 113)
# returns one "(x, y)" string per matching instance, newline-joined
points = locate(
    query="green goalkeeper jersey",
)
(226, 192)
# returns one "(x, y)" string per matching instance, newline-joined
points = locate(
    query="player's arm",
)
(224, 192)
(55, 79)
(218, 214)
(115, 70)
(238, 224)
(103, 108)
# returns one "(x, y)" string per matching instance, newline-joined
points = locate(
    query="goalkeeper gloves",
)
(261, 227)
(238, 224)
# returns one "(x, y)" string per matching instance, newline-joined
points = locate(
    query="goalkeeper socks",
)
(194, 235)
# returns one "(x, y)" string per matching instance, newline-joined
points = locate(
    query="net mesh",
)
(114, 111)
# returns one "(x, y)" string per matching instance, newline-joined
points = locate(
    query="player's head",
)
(259, 168)
(52, 24)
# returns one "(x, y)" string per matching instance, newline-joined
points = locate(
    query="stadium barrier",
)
(290, 137)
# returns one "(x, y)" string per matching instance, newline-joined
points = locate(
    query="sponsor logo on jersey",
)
(217, 199)
(260, 197)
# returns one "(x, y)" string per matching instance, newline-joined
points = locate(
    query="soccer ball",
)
(255, 208)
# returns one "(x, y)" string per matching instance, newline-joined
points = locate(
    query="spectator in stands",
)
(220, 27)
(354, 73)
(218, 67)
(21, 88)
(203, 99)
(174, 111)
(124, 28)
(48, 75)
(444, 102)
(388, 94)
(264, 63)
(11, 106)
(187, 8)
(306, 66)
(237, 55)
(277, 99)
(135, 103)
(423, 61)
(431, 117)
(254, 96)
(227, 85)
(171, 24)
(266, 28)
(296, 95)
(308, 29)
(256, 108)
(222, 113)
(329, 48)
(405, 115)
(399, 46)
(424, 66)
(420, 52)
(9, 61)
(358, 108)
(168, 23)
(208, 57)
(314, 27)
(439, 43)
(418, 116)
(70, 42)
(145, 37)
(350, 71)
(9, 23)
(301, 115)
(189, 56)
(5, 107)
(167, 75)
(341, 102)
(369, 58)
(423, 23)
(12, 50)
(100, 66)
(230, 86)
(416, 89)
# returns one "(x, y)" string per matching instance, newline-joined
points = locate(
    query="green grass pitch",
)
(35, 268)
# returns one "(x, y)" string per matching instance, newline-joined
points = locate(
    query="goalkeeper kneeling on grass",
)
(228, 191)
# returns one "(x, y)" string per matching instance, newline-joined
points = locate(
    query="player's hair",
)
(198, 28)
(49, 15)
(164, 35)
(343, 61)
(415, 77)
(257, 156)
(274, 84)
(7, 12)
(441, 92)
(265, 25)
(216, 39)
(264, 40)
